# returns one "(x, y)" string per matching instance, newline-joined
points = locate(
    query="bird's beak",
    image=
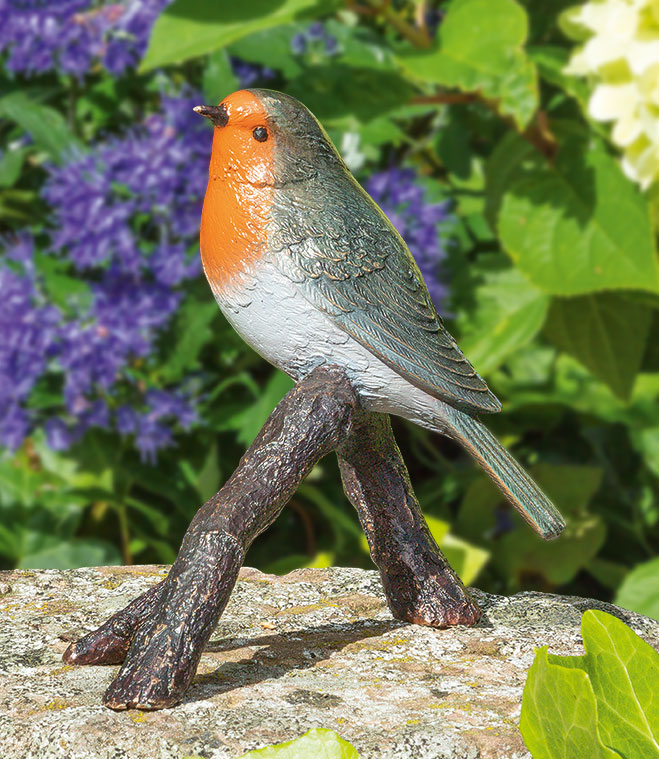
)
(216, 113)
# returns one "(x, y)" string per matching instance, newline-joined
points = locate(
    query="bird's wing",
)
(349, 261)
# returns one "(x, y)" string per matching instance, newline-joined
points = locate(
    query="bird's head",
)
(264, 137)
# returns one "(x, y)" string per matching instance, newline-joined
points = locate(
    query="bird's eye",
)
(260, 134)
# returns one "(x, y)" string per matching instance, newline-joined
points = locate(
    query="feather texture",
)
(349, 261)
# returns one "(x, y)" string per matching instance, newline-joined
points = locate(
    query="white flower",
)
(621, 54)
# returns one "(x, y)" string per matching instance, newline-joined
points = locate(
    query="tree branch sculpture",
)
(161, 635)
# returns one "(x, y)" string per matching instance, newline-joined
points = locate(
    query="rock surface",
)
(315, 648)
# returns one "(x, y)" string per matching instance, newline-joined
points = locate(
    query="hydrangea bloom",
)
(622, 54)
(418, 222)
(123, 214)
(70, 35)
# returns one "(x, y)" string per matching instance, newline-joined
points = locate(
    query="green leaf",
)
(336, 90)
(249, 421)
(219, 79)
(438, 528)
(646, 441)
(193, 331)
(551, 62)
(468, 560)
(504, 165)
(624, 672)
(480, 49)
(520, 552)
(577, 225)
(318, 743)
(45, 125)
(62, 287)
(84, 552)
(639, 590)
(607, 573)
(11, 164)
(602, 704)
(509, 313)
(191, 28)
(361, 47)
(607, 332)
(452, 145)
(559, 713)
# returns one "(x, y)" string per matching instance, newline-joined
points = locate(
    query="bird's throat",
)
(233, 233)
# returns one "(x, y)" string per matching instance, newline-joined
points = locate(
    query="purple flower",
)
(316, 31)
(417, 221)
(123, 219)
(111, 205)
(70, 36)
(299, 44)
(28, 325)
(316, 38)
(126, 419)
(14, 425)
(151, 434)
(250, 74)
(58, 434)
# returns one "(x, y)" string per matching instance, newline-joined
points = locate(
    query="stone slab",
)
(315, 648)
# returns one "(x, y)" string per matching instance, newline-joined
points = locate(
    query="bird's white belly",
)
(270, 313)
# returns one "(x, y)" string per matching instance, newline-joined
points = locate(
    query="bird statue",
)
(309, 271)
(312, 275)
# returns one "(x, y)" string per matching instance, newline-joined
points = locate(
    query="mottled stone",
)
(315, 648)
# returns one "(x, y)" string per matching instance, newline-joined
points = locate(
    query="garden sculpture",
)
(314, 277)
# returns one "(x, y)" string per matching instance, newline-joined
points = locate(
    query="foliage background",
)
(126, 399)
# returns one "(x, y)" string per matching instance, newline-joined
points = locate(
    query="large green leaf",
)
(318, 743)
(559, 713)
(191, 28)
(602, 704)
(45, 125)
(509, 312)
(624, 672)
(607, 332)
(576, 225)
(480, 49)
(639, 590)
(336, 90)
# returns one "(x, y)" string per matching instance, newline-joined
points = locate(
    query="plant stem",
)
(418, 36)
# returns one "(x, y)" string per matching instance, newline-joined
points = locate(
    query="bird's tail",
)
(532, 504)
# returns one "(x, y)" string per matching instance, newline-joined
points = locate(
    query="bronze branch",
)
(161, 635)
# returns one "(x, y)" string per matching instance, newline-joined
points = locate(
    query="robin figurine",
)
(309, 271)
(313, 276)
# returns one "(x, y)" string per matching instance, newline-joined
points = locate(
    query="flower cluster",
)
(622, 54)
(250, 74)
(418, 222)
(315, 39)
(70, 36)
(123, 216)
(29, 327)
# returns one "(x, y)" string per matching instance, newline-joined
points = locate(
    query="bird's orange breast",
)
(239, 195)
